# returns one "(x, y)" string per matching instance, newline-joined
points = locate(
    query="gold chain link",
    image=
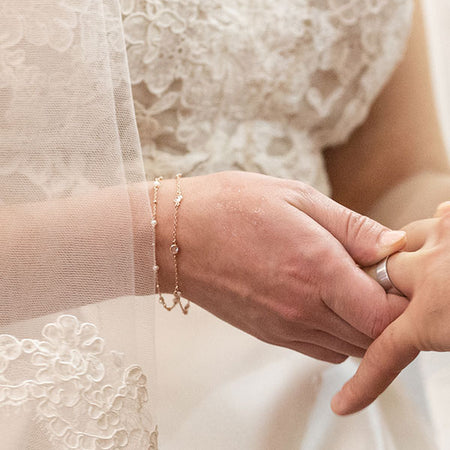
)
(174, 248)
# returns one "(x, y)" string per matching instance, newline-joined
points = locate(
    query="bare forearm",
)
(412, 199)
(395, 166)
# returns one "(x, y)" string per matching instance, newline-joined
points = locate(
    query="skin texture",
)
(252, 252)
(421, 272)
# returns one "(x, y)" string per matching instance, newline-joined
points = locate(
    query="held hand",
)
(276, 259)
(422, 273)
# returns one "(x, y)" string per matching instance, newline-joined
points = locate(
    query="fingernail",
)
(444, 205)
(392, 238)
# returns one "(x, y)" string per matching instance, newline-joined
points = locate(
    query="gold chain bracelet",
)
(174, 247)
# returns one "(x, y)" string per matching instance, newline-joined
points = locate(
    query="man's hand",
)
(278, 260)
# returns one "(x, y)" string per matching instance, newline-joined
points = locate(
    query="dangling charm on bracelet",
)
(174, 248)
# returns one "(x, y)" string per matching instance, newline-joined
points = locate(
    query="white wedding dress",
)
(262, 86)
(217, 84)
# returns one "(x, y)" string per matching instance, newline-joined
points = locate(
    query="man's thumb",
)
(366, 241)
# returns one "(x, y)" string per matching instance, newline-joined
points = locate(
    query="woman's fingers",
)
(389, 354)
(417, 233)
(402, 268)
(397, 346)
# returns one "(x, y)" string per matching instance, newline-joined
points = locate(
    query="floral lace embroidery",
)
(233, 84)
(81, 395)
(218, 84)
(61, 105)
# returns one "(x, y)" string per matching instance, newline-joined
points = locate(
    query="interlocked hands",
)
(421, 271)
(279, 260)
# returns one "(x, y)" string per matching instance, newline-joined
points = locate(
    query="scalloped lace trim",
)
(80, 394)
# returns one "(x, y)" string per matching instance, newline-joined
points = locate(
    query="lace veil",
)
(76, 333)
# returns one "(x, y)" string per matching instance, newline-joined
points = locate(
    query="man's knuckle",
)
(320, 251)
(302, 187)
(295, 314)
(301, 194)
(359, 226)
(305, 272)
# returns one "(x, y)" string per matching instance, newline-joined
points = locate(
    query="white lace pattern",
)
(80, 394)
(67, 128)
(236, 84)
(74, 30)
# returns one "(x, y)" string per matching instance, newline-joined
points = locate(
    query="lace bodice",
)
(256, 84)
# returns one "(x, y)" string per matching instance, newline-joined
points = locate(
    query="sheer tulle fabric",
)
(73, 224)
(76, 325)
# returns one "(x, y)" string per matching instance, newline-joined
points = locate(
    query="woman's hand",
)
(422, 273)
(276, 259)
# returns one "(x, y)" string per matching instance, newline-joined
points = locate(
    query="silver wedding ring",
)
(383, 278)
